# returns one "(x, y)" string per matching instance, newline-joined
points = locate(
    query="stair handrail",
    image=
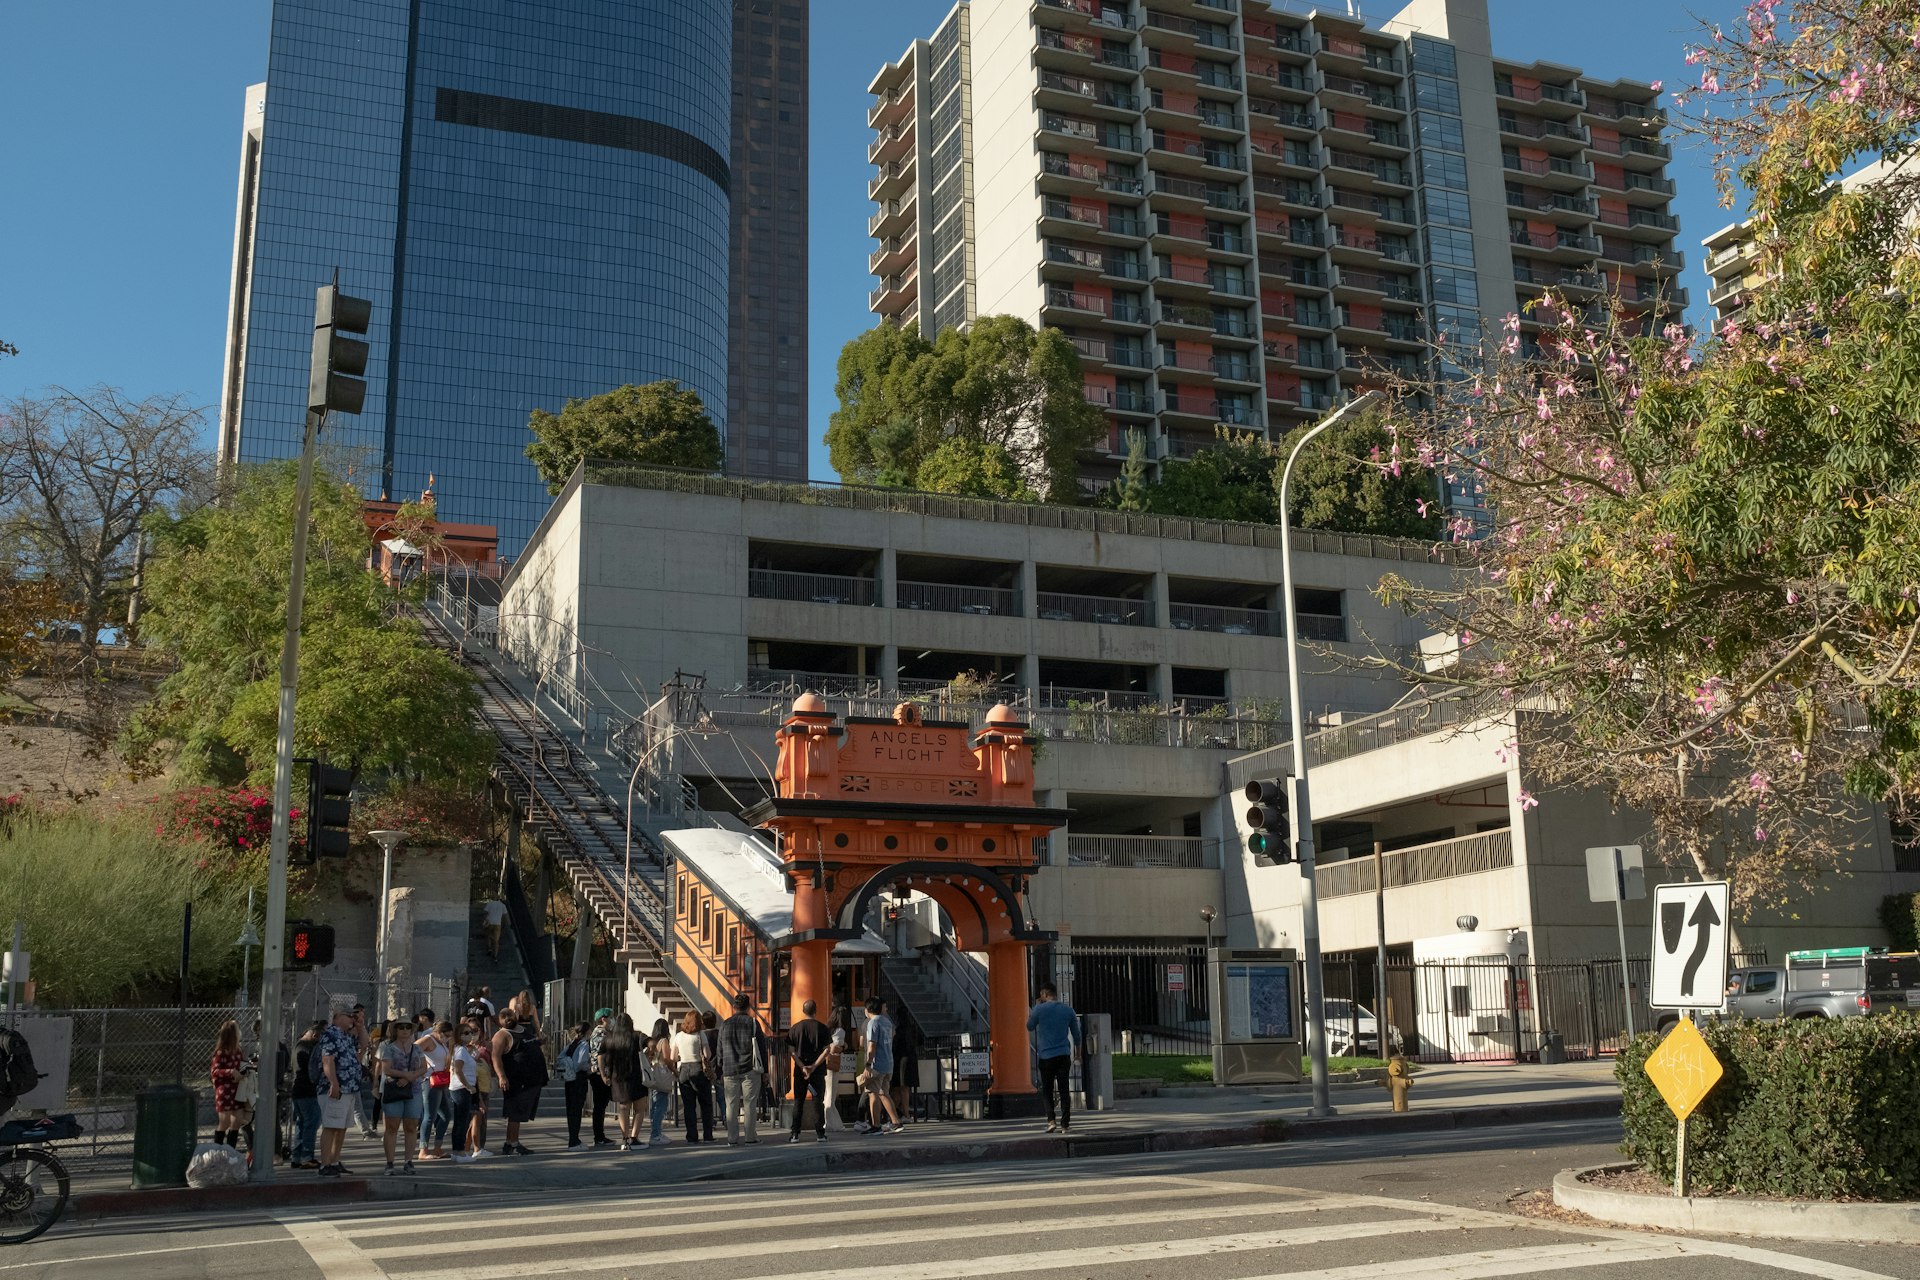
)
(963, 974)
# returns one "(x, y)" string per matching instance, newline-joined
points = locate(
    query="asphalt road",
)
(1434, 1207)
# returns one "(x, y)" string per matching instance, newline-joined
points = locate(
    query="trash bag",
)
(214, 1165)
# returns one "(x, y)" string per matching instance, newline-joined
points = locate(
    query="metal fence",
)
(1156, 995)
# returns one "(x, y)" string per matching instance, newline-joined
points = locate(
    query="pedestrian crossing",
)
(970, 1226)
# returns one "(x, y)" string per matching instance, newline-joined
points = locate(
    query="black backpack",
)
(18, 1077)
(526, 1065)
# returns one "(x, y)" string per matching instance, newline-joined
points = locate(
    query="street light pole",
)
(248, 940)
(1302, 810)
(389, 841)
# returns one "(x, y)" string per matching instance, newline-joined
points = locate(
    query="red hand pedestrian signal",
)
(310, 944)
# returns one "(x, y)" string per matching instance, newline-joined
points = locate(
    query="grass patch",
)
(1197, 1068)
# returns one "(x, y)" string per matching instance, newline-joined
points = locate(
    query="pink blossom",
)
(1527, 801)
(1657, 85)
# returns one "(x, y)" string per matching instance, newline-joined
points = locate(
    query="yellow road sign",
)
(1684, 1069)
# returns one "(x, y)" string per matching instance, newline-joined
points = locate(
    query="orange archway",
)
(870, 805)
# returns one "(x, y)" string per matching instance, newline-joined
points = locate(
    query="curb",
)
(1460, 1118)
(1896, 1223)
(170, 1200)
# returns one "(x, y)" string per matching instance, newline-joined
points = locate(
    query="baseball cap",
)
(602, 1013)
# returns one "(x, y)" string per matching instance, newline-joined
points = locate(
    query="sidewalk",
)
(1444, 1097)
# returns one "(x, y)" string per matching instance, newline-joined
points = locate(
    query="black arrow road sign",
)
(1703, 922)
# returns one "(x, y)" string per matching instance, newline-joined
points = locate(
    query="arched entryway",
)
(870, 805)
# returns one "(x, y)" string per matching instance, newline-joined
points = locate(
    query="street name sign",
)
(1690, 945)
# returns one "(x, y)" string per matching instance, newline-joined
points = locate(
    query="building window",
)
(1906, 846)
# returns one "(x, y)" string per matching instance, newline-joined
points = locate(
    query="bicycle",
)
(33, 1182)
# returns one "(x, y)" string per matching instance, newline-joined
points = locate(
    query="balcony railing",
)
(816, 588)
(1440, 860)
(1113, 611)
(1226, 621)
(1384, 730)
(950, 597)
(1159, 852)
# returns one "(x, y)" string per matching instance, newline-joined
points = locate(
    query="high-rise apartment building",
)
(534, 196)
(767, 315)
(1241, 213)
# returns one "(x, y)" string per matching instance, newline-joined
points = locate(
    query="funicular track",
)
(568, 814)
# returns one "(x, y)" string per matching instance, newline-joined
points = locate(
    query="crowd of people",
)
(432, 1089)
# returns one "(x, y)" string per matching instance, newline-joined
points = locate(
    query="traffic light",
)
(1268, 813)
(337, 382)
(329, 810)
(309, 945)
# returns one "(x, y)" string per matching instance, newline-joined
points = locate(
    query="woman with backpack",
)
(522, 1071)
(304, 1093)
(225, 1071)
(660, 1079)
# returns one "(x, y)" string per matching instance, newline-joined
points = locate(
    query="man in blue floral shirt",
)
(339, 1054)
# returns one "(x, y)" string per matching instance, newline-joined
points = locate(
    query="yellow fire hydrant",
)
(1399, 1080)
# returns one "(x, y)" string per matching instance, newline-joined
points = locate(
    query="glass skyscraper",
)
(534, 196)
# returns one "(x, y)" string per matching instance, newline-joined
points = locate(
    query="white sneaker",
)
(461, 1157)
(889, 1128)
(483, 1154)
(861, 1126)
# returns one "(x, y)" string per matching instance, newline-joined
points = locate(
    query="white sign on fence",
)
(970, 1063)
(1176, 977)
(1690, 945)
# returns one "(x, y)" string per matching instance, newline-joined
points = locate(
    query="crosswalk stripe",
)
(1492, 1263)
(329, 1248)
(761, 1248)
(567, 1228)
(667, 1199)
(1818, 1267)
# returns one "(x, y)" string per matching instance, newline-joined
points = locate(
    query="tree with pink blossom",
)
(1696, 580)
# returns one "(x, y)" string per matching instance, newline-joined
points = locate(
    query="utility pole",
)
(333, 383)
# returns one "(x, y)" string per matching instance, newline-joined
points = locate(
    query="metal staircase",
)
(551, 783)
(939, 990)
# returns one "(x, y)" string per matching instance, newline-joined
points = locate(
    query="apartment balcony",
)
(1528, 278)
(1284, 157)
(892, 256)
(1213, 115)
(1402, 329)
(1315, 401)
(1296, 192)
(1131, 313)
(1066, 299)
(1397, 288)
(1354, 55)
(1119, 268)
(1133, 403)
(1311, 315)
(1306, 235)
(1181, 447)
(1377, 171)
(1120, 185)
(1160, 853)
(1367, 364)
(1110, 611)
(1643, 115)
(1650, 293)
(1385, 208)
(1561, 173)
(1185, 367)
(894, 294)
(1563, 136)
(893, 181)
(949, 597)
(1312, 356)
(891, 108)
(1066, 216)
(1271, 75)
(1563, 246)
(1080, 15)
(1567, 210)
(1067, 261)
(891, 143)
(1099, 397)
(1648, 189)
(1172, 31)
(1663, 259)
(1234, 327)
(1215, 75)
(1548, 98)
(1184, 190)
(1071, 50)
(1722, 292)
(1644, 153)
(1237, 415)
(1197, 408)
(1058, 90)
(812, 588)
(1193, 156)
(1192, 316)
(1129, 356)
(1266, 36)
(1389, 136)
(1643, 224)
(1063, 173)
(1236, 368)
(1091, 350)
(1416, 866)
(1373, 94)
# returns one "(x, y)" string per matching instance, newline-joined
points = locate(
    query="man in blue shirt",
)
(877, 1079)
(1055, 1029)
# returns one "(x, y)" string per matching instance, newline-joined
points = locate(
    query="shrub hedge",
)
(1812, 1109)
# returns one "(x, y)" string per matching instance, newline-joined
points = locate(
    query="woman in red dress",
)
(225, 1071)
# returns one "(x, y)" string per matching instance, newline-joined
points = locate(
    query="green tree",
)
(1005, 390)
(1130, 490)
(1233, 479)
(973, 469)
(661, 424)
(1348, 481)
(372, 691)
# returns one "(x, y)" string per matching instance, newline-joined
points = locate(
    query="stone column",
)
(812, 968)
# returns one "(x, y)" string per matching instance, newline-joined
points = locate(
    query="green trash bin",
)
(165, 1121)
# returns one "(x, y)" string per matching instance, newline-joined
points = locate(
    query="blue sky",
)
(119, 151)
